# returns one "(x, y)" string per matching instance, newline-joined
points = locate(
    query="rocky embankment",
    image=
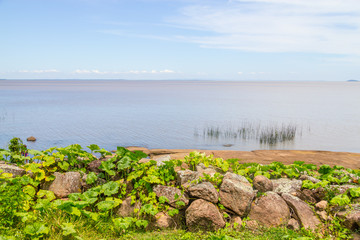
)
(234, 200)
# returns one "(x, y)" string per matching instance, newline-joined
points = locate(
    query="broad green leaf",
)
(124, 163)
(74, 196)
(105, 205)
(141, 223)
(340, 200)
(64, 165)
(107, 166)
(93, 147)
(68, 229)
(110, 188)
(91, 178)
(48, 194)
(29, 190)
(355, 192)
(36, 229)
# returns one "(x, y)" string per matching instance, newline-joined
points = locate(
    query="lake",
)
(180, 114)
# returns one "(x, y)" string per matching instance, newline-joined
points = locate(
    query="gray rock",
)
(160, 160)
(303, 211)
(262, 183)
(13, 169)
(270, 210)
(310, 178)
(236, 193)
(341, 188)
(204, 191)
(66, 183)
(171, 193)
(286, 185)
(203, 215)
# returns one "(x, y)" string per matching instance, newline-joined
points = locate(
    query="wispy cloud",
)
(321, 26)
(40, 71)
(84, 71)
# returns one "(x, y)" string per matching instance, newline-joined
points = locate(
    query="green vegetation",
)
(27, 211)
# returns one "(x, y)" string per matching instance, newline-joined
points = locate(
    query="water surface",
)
(167, 114)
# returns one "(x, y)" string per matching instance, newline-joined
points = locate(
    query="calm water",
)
(168, 114)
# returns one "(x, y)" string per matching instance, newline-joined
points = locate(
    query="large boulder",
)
(173, 194)
(262, 183)
(127, 209)
(351, 216)
(236, 193)
(65, 183)
(286, 185)
(94, 166)
(204, 191)
(13, 169)
(270, 210)
(302, 210)
(203, 215)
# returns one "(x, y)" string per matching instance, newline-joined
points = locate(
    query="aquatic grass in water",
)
(270, 133)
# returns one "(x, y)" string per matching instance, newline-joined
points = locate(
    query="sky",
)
(180, 39)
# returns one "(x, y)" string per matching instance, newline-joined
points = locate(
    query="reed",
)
(270, 133)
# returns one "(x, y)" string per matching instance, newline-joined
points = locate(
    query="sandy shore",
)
(345, 159)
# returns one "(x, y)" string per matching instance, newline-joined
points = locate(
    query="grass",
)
(104, 229)
(270, 133)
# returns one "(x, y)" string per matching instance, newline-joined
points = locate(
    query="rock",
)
(94, 166)
(185, 177)
(170, 193)
(163, 221)
(142, 149)
(204, 191)
(351, 216)
(236, 220)
(355, 236)
(127, 209)
(203, 215)
(160, 160)
(13, 169)
(252, 225)
(306, 195)
(183, 166)
(262, 183)
(236, 193)
(201, 169)
(293, 224)
(270, 210)
(144, 160)
(31, 139)
(66, 183)
(303, 212)
(285, 185)
(322, 215)
(341, 189)
(322, 205)
(310, 178)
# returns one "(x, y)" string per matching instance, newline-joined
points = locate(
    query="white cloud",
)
(39, 71)
(84, 71)
(240, 73)
(315, 26)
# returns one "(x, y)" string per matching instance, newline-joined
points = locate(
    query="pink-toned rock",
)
(236, 193)
(322, 205)
(203, 215)
(351, 216)
(302, 210)
(164, 221)
(293, 224)
(236, 222)
(204, 191)
(127, 209)
(173, 194)
(270, 210)
(185, 177)
(252, 225)
(66, 183)
(286, 185)
(262, 183)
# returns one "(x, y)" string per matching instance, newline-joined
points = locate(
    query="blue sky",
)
(180, 39)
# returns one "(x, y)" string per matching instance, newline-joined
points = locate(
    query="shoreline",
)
(317, 157)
